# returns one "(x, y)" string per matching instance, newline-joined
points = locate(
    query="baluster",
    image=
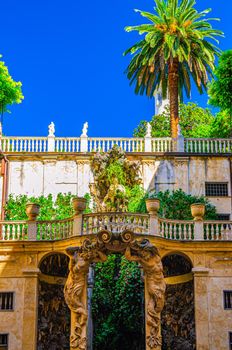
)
(216, 146)
(191, 146)
(217, 231)
(13, 233)
(173, 231)
(184, 233)
(4, 232)
(220, 146)
(208, 231)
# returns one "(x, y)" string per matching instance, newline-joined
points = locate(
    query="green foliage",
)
(176, 31)
(221, 87)
(222, 125)
(195, 121)
(117, 305)
(176, 205)
(10, 90)
(59, 209)
(114, 178)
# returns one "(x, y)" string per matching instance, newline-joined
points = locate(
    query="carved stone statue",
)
(147, 255)
(148, 132)
(85, 129)
(115, 199)
(51, 129)
(75, 290)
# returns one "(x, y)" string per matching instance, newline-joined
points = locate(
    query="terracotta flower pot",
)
(32, 211)
(153, 205)
(79, 205)
(198, 211)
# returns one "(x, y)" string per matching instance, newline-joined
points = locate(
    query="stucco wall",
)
(54, 175)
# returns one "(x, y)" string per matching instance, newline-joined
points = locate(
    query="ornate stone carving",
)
(147, 255)
(96, 250)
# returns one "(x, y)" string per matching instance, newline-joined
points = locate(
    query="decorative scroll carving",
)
(96, 250)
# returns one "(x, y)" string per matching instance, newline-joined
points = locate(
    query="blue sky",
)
(68, 55)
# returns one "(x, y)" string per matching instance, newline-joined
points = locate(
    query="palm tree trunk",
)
(173, 79)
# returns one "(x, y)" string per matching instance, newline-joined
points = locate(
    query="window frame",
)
(224, 301)
(217, 183)
(230, 340)
(13, 304)
(7, 344)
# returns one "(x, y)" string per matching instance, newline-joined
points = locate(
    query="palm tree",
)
(177, 48)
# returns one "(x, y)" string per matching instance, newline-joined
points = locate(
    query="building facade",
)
(33, 255)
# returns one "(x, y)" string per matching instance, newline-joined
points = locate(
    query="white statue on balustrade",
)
(148, 132)
(85, 129)
(51, 129)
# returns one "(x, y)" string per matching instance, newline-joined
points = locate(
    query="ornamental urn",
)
(79, 205)
(198, 211)
(153, 205)
(32, 211)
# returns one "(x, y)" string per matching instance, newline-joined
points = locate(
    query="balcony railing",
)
(115, 222)
(140, 224)
(102, 144)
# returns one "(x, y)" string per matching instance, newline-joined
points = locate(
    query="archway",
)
(53, 313)
(97, 250)
(178, 323)
(118, 305)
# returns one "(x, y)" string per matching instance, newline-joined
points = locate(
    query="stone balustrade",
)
(204, 145)
(91, 224)
(176, 230)
(13, 230)
(54, 230)
(131, 145)
(115, 222)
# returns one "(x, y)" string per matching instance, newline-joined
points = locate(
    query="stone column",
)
(30, 311)
(201, 307)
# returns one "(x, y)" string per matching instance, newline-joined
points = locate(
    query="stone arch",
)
(53, 313)
(178, 322)
(44, 255)
(96, 250)
(187, 256)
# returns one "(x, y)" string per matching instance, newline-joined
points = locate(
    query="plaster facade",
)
(42, 175)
